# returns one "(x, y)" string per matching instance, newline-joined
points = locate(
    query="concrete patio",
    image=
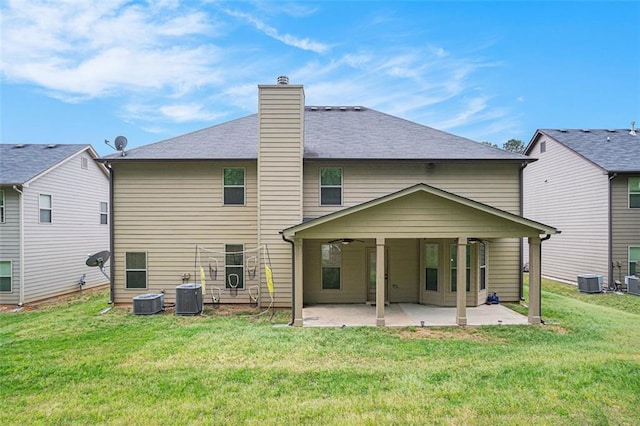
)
(406, 314)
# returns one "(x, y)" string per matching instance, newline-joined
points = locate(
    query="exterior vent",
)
(357, 108)
(314, 108)
(328, 108)
(563, 130)
(586, 130)
(283, 79)
(148, 304)
(343, 108)
(50, 146)
(590, 283)
(611, 130)
(18, 146)
(188, 299)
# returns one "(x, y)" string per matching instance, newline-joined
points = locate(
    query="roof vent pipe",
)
(633, 128)
(283, 79)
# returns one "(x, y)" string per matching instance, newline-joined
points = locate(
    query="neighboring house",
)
(354, 206)
(54, 212)
(586, 182)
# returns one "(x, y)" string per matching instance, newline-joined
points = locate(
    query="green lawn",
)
(66, 364)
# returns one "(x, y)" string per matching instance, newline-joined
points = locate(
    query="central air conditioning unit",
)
(148, 304)
(633, 285)
(188, 299)
(590, 283)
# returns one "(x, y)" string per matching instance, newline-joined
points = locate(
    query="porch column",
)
(380, 281)
(299, 273)
(534, 280)
(461, 286)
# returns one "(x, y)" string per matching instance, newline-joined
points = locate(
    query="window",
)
(135, 269)
(543, 147)
(233, 186)
(634, 261)
(331, 186)
(331, 265)
(104, 213)
(5, 275)
(45, 208)
(634, 192)
(482, 260)
(454, 268)
(1, 206)
(234, 266)
(431, 277)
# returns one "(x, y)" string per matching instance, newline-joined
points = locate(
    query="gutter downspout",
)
(21, 299)
(611, 279)
(112, 287)
(521, 177)
(545, 238)
(293, 278)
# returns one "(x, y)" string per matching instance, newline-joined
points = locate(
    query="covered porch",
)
(444, 229)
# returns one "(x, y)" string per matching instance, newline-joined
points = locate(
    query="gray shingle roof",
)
(20, 163)
(336, 133)
(615, 150)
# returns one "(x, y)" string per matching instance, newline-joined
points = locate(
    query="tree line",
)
(513, 145)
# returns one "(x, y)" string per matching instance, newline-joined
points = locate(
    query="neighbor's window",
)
(1, 206)
(634, 261)
(482, 260)
(454, 268)
(135, 264)
(331, 265)
(5, 275)
(104, 213)
(234, 186)
(431, 277)
(45, 208)
(331, 186)
(634, 192)
(234, 266)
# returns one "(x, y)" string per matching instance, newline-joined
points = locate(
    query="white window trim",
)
(10, 276)
(105, 213)
(243, 186)
(341, 186)
(244, 284)
(629, 191)
(40, 208)
(481, 266)
(3, 210)
(629, 260)
(146, 270)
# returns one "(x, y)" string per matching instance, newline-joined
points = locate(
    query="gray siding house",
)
(586, 182)
(53, 212)
(344, 203)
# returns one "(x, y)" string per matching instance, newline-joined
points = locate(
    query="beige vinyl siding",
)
(625, 225)
(10, 243)
(570, 193)
(404, 270)
(168, 214)
(55, 253)
(280, 148)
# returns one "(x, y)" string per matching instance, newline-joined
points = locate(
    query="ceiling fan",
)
(345, 241)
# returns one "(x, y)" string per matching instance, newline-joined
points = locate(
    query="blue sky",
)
(86, 71)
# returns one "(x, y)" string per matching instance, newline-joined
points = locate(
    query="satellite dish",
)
(98, 259)
(121, 144)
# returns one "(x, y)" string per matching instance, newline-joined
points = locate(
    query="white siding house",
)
(584, 181)
(56, 213)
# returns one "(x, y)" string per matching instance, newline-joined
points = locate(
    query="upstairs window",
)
(1, 206)
(634, 192)
(45, 208)
(104, 213)
(233, 186)
(330, 186)
(234, 266)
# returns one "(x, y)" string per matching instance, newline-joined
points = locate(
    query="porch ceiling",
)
(420, 211)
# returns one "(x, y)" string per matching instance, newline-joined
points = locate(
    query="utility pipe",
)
(293, 278)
